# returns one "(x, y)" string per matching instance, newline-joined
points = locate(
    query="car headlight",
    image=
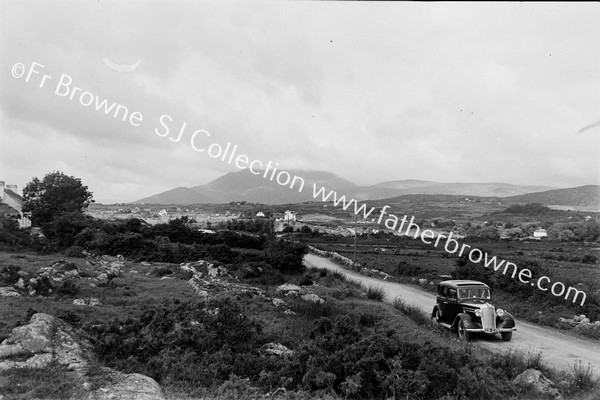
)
(478, 313)
(500, 312)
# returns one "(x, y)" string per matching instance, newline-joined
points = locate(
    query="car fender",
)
(467, 321)
(435, 308)
(507, 321)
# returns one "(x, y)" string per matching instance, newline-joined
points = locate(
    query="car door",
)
(452, 307)
(443, 302)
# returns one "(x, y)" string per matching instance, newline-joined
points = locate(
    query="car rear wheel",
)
(463, 334)
(506, 336)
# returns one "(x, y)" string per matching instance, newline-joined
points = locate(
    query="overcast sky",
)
(369, 91)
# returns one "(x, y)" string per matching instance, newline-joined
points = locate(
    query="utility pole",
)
(355, 239)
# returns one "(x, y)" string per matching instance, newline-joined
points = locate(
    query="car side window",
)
(452, 293)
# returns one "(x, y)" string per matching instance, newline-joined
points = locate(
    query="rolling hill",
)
(577, 197)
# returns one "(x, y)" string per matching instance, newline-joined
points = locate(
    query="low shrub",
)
(582, 378)
(9, 274)
(375, 293)
(75, 252)
(412, 311)
(306, 280)
(67, 289)
(514, 362)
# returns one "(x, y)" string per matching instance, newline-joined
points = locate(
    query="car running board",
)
(445, 325)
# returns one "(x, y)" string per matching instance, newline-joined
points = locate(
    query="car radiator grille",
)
(488, 319)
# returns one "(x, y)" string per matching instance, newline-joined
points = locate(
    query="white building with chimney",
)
(11, 200)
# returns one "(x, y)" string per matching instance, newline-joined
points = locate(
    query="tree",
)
(54, 196)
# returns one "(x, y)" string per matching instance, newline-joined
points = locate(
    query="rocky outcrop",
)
(47, 341)
(46, 280)
(44, 340)
(534, 380)
(209, 279)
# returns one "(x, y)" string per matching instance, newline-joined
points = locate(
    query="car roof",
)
(457, 283)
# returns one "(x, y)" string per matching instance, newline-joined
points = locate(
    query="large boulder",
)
(44, 340)
(47, 340)
(532, 379)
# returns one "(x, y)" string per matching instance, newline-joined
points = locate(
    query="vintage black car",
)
(466, 306)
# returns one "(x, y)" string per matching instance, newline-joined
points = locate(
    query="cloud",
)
(370, 91)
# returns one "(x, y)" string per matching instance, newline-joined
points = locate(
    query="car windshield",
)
(474, 293)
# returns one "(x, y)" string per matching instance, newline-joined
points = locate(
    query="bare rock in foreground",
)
(47, 340)
(541, 385)
(127, 387)
(44, 340)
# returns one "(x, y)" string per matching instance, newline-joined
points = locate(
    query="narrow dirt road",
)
(557, 349)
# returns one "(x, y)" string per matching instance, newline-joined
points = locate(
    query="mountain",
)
(577, 197)
(246, 186)
(180, 195)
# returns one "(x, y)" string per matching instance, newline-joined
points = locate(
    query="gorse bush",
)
(193, 342)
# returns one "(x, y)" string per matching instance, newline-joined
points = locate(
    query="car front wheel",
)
(506, 336)
(463, 334)
(437, 316)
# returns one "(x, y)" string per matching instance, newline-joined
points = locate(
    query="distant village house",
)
(289, 216)
(540, 233)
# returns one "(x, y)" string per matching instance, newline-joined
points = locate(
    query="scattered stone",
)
(289, 312)
(534, 380)
(423, 281)
(8, 291)
(20, 284)
(287, 287)
(276, 349)
(581, 323)
(292, 293)
(102, 277)
(278, 302)
(313, 298)
(215, 272)
(92, 302)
